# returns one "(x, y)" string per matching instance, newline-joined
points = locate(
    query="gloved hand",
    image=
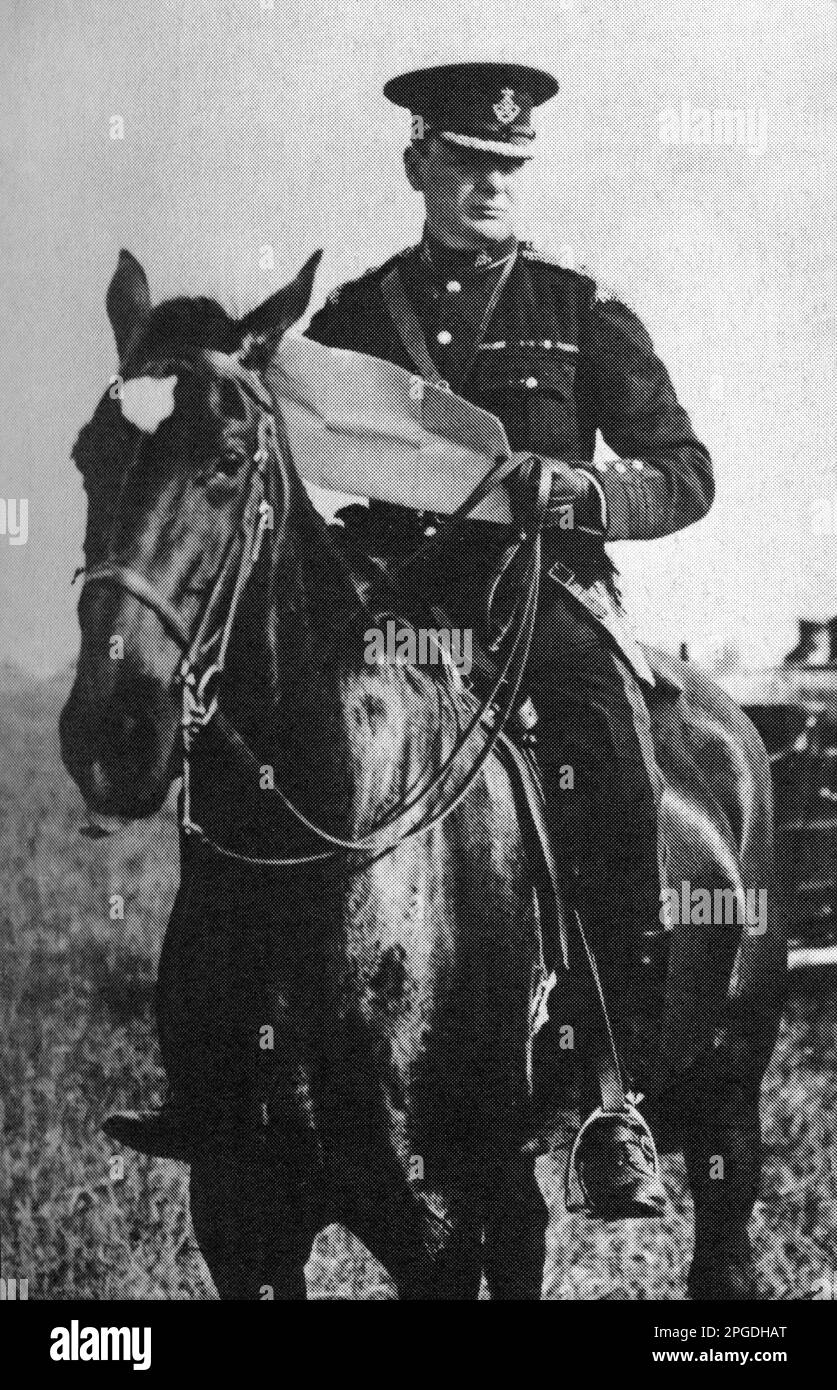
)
(573, 503)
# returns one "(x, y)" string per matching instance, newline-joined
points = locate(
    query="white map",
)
(365, 427)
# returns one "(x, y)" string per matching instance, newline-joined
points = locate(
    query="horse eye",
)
(230, 461)
(217, 475)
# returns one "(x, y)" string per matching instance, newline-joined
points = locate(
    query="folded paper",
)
(366, 427)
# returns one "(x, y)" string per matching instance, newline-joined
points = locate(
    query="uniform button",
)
(600, 467)
(430, 530)
(444, 337)
(453, 287)
(621, 467)
(531, 381)
(637, 464)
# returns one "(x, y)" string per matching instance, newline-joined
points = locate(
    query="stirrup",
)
(575, 1168)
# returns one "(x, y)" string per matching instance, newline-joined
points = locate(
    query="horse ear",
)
(267, 324)
(128, 300)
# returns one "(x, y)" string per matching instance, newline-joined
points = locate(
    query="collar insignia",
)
(506, 109)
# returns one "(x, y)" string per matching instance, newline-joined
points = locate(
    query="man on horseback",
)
(557, 360)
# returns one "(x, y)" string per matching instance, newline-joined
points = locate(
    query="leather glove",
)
(574, 500)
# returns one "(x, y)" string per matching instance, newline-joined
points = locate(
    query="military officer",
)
(558, 360)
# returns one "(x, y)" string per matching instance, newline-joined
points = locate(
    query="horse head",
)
(170, 462)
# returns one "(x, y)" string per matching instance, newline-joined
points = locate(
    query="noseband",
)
(123, 577)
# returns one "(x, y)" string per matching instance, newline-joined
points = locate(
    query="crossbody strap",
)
(409, 328)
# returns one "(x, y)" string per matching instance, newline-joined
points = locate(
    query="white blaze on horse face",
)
(148, 400)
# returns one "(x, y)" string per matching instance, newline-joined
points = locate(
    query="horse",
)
(346, 1006)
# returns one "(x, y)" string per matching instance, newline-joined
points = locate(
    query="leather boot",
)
(615, 1163)
(164, 1133)
(631, 943)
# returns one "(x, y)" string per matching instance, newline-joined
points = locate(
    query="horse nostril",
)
(120, 728)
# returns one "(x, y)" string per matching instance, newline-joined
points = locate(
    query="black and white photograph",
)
(418, 662)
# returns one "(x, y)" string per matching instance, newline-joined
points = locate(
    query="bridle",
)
(199, 676)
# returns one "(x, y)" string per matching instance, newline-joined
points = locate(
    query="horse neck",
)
(343, 736)
(295, 634)
(316, 617)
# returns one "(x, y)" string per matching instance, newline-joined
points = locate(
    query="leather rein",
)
(199, 680)
(199, 677)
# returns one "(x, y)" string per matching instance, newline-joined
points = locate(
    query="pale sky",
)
(247, 126)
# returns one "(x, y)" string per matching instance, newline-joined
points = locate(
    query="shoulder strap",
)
(409, 328)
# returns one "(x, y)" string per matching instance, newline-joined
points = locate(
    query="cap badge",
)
(506, 109)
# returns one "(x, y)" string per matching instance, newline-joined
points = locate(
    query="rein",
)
(199, 682)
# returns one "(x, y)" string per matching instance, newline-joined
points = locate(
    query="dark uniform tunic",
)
(557, 361)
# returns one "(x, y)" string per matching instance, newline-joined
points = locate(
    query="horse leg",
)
(429, 1259)
(255, 1242)
(453, 1273)
(723, 1160)
(515, 1234)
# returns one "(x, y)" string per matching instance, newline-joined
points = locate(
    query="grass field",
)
(78, 1040)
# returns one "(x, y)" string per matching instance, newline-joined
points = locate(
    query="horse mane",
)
(176, 328)
(184, 324)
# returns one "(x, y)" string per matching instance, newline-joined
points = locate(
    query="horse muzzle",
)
(122, 756)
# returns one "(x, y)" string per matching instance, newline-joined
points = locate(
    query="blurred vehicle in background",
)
(794, 707)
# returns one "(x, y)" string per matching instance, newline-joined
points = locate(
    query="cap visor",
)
(475, 142)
